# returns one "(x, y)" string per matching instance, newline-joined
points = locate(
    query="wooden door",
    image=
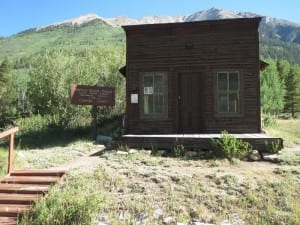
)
(190, 88)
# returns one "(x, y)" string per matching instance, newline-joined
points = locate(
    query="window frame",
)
(239, 93)
(157, 116)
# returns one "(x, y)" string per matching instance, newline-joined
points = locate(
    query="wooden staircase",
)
(20, 188)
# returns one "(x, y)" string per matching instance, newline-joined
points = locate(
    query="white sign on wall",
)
(148, 90)
(134, 98)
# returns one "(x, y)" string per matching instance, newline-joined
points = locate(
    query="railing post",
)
(11, 133)
(11, 152)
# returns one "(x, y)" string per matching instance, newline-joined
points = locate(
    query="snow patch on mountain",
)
(78, 21)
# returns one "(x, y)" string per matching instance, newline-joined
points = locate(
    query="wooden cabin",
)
(193, 78)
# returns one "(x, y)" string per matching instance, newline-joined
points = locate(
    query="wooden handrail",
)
(11, 133)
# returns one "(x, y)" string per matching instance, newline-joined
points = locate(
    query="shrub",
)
(230, 147)
(273, 147)
(269, 120)
(178, 151)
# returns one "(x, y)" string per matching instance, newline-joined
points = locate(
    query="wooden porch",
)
(259, 141)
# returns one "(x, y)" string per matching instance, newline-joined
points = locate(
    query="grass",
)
(289, 130)
(62, 207)
(129, 189)
(3, 161)
(132, 188)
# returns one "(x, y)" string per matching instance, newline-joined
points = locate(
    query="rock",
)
(161, 152)
(201, 223)
(237, 220)
(122, 153)
(141, 219)
(124, 215)
(132, 151)
(169, 220)
(271, 157)
(102, 219)
(177, 223)
(255, 155)
(225, 222)
(191, 154)
(104, 139)
(158, 213)
(111, 151)
(148, 152)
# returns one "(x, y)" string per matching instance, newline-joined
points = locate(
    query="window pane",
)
(222, 103)
(148, 81)
(222, 81)
(158, 84)
(146, 104)
(151, 104)
(233, 81)
(159, 103)
(233, 103)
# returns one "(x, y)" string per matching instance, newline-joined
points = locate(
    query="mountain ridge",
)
(210, 14)
(279, 39)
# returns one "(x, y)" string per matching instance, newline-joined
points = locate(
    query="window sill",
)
(228, 115)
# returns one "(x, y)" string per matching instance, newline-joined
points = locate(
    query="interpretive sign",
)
(92, 95)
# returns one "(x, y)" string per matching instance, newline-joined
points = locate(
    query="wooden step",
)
(30, 180)
(8, 220)
(23, 188)
(35, 172)
(26, 199)
(13, 210)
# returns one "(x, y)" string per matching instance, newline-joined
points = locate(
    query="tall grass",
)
(274, 204)
(289, 130)
(3, 161)
(74, 203)
(44, 131)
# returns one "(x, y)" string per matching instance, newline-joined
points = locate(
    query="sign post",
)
(95, 96)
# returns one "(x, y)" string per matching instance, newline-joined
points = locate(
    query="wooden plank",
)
(12, 209)
(12, 198)
(31, 179)
(38, 172)
(8, 220)
(8, 132)
(23, 188)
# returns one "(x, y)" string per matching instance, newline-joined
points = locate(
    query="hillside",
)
(65, 35)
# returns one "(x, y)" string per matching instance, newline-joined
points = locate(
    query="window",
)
(228, 93)
(154, 95)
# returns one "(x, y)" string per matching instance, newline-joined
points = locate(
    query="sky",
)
(19, 15)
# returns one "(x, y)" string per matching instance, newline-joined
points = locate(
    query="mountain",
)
(278, 38)
(123, 20)
(274, 28)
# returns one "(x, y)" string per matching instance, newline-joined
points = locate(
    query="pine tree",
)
(7, 92)
(272, 90)
(291, 84)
